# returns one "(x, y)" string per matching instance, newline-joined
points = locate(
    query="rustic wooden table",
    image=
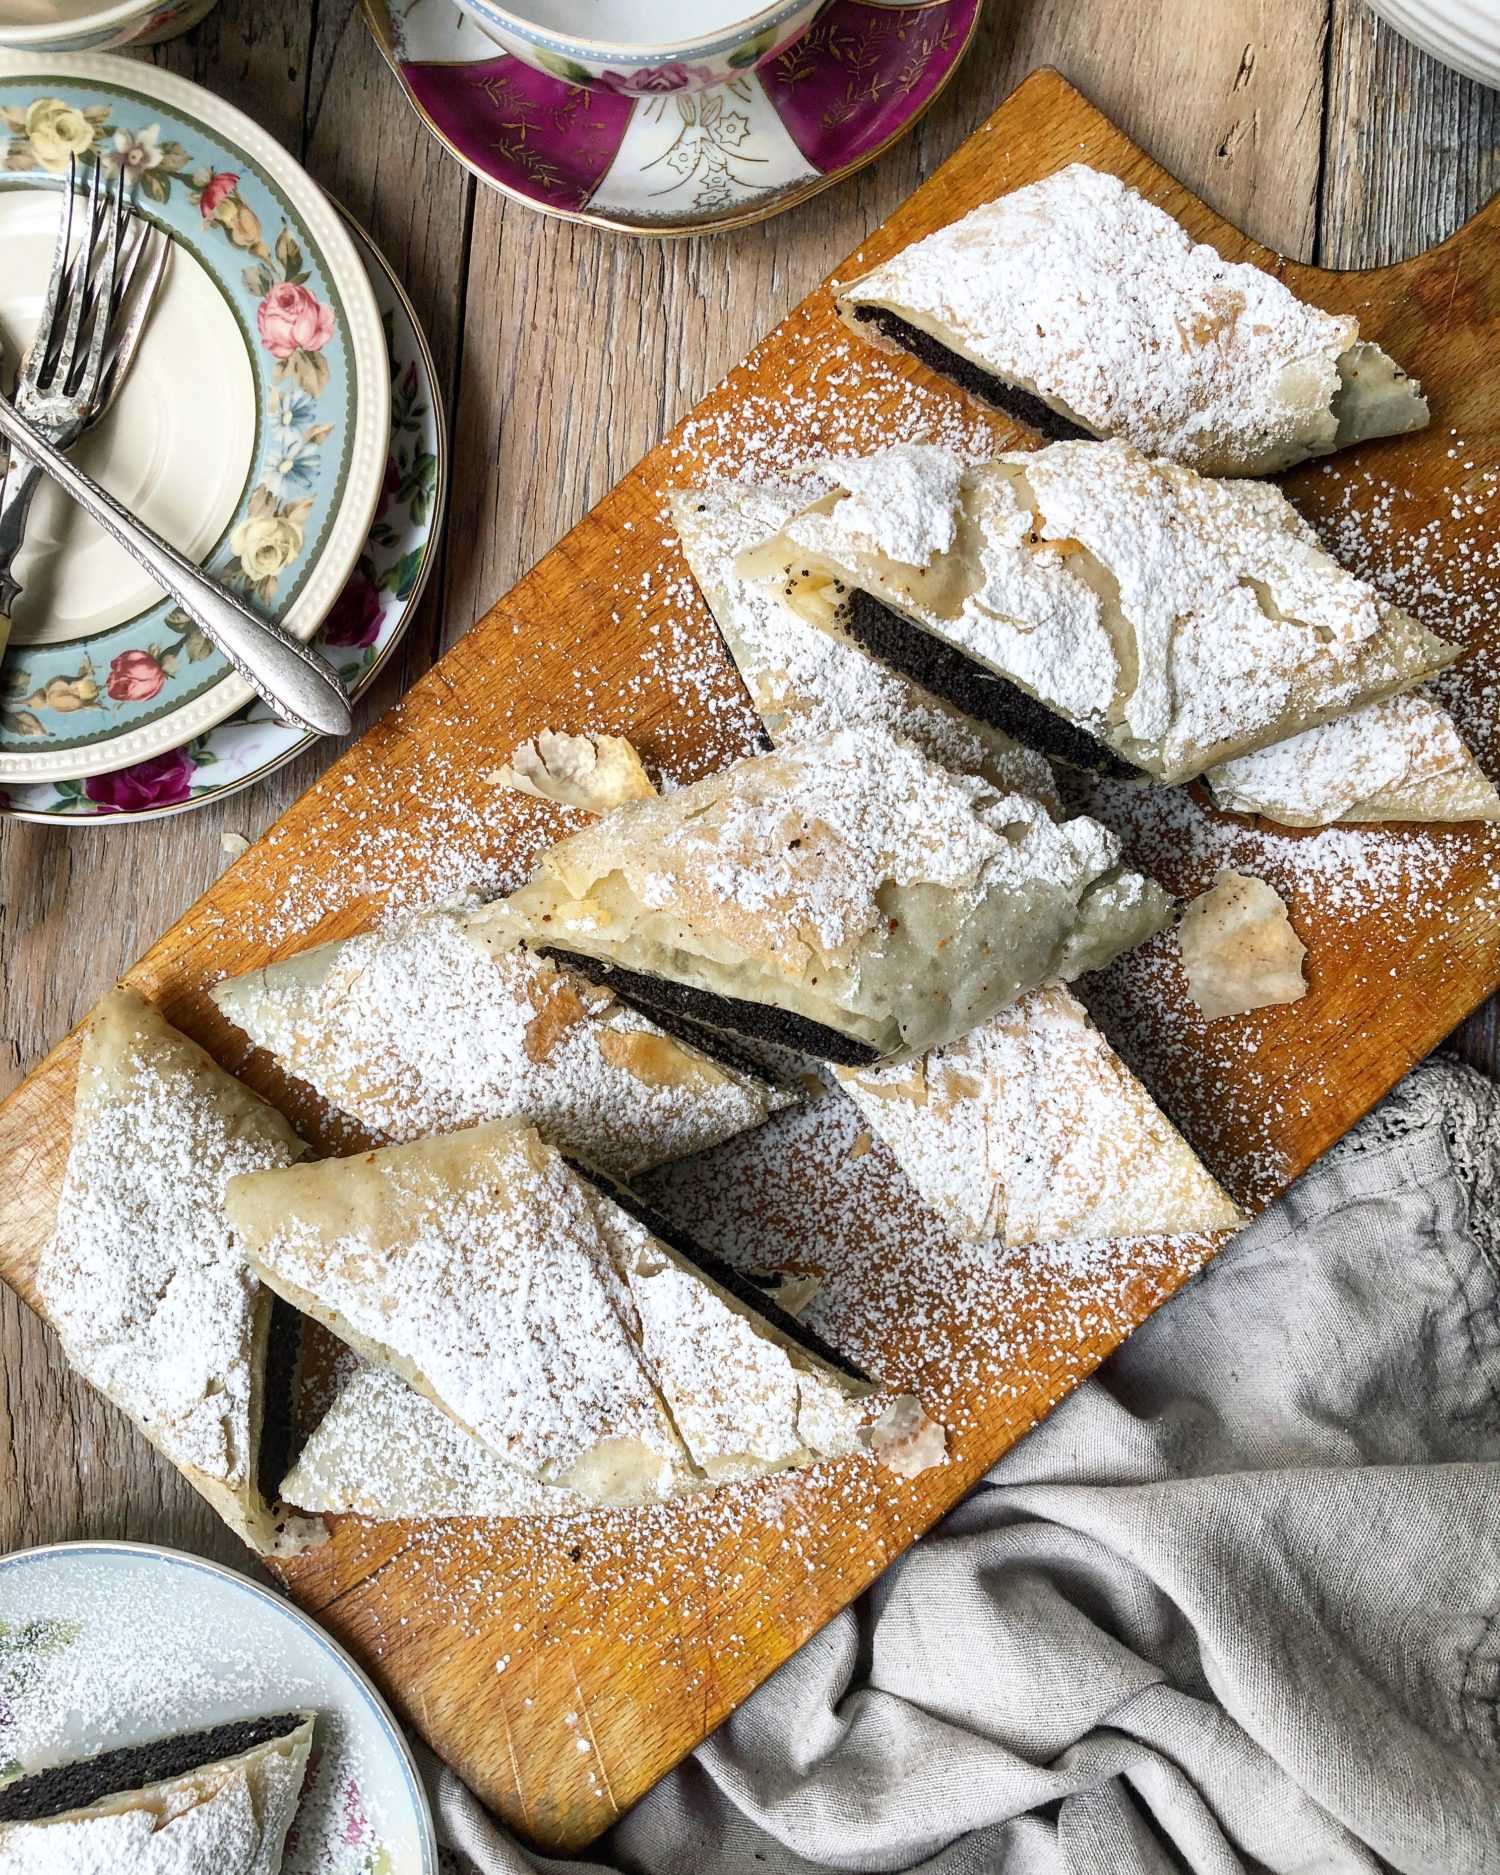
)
(567, 352)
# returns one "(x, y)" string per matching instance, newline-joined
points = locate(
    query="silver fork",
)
(63, 387)
(72, 373)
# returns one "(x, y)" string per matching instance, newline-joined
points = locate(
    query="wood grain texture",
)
(501, 1643)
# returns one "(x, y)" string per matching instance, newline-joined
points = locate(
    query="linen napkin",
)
(1235, 1605)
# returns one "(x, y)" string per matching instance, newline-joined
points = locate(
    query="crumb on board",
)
(595, 773)
(906, 1440)
(1239, 949)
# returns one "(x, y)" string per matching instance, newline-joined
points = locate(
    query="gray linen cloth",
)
(1234, 1606)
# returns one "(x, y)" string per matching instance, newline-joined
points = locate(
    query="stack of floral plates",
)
(281, 424)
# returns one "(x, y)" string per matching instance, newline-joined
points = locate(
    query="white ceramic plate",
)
(105, 1644)
(1462, 33)
(357, 637)
(252, 431)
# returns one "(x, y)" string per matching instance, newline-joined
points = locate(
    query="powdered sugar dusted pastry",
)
(575, 1343)
(418, 1027)
(216, 1802)
(142, 1278)
(1084, 310)
(805, 680)
(1031, 1129)
(844, 896)
(1400, 759)
(383, 1451)
(1118, 613)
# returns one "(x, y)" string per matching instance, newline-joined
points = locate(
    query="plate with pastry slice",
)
(163, 1715)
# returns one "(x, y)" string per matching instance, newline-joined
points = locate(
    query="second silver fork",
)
(92, 318)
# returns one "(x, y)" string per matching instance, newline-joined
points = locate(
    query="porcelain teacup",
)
(637, 46)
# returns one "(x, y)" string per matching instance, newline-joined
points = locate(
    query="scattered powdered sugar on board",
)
(1444, 569)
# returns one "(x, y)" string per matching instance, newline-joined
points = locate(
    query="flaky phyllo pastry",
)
(844, 896)
(574, 1342)
(382, 1450)
(420, 1027)
(1031, 1129)
(215, 1802)
(1400, 759)
(807, 679)
(1117, 613)
(1082, 309)
(143, 1280)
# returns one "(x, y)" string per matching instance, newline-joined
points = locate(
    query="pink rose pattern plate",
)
(359, 634)
(664, 159)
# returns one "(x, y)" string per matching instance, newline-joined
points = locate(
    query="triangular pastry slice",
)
(383, 1451)
(1032, 1130)
(1082, 309)
(214, 1802)
(1400, 759)
(1119, 614)
(142, 1278)
(421, 1027)
(579, 1346)
(843, 896)
(806, 680)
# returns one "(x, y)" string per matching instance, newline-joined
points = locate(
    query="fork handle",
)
(294, 681)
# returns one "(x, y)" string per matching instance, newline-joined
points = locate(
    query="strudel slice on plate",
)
(806, 680)
(1082, 309)
(383, 1450)
(1401, 759)
(1117, 613)
(142, 1278)
(420, 1027)
(844, 896)
(214, 1802)
(1031, 1129)
(584, 1347)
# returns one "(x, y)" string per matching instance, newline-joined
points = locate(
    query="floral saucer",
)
(366, 623)
(677, 160)
(251, 430)
(114, 1644)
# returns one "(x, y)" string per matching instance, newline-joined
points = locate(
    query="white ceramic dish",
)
(253, 429)
(89, 26)
(105, 1644)
(1464, 34)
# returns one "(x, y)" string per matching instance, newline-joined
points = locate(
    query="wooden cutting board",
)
(562, 1671)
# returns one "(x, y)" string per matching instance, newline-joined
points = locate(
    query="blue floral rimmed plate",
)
(366, 623)
(106, 1644)
(252, 430)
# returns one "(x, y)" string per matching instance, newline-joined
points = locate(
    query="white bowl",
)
(95, 25)
(1464, 34)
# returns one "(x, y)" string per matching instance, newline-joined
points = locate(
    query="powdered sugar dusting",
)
(1079, 288)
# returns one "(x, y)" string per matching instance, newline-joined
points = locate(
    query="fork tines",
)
(82, 349)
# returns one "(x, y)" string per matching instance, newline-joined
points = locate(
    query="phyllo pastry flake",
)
(575, 1343)
(1082, 309)
(142, 1278)
(1031, 1129)
(843, 896)
(420, 1027)
(1120, 614)
(214, 1802)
